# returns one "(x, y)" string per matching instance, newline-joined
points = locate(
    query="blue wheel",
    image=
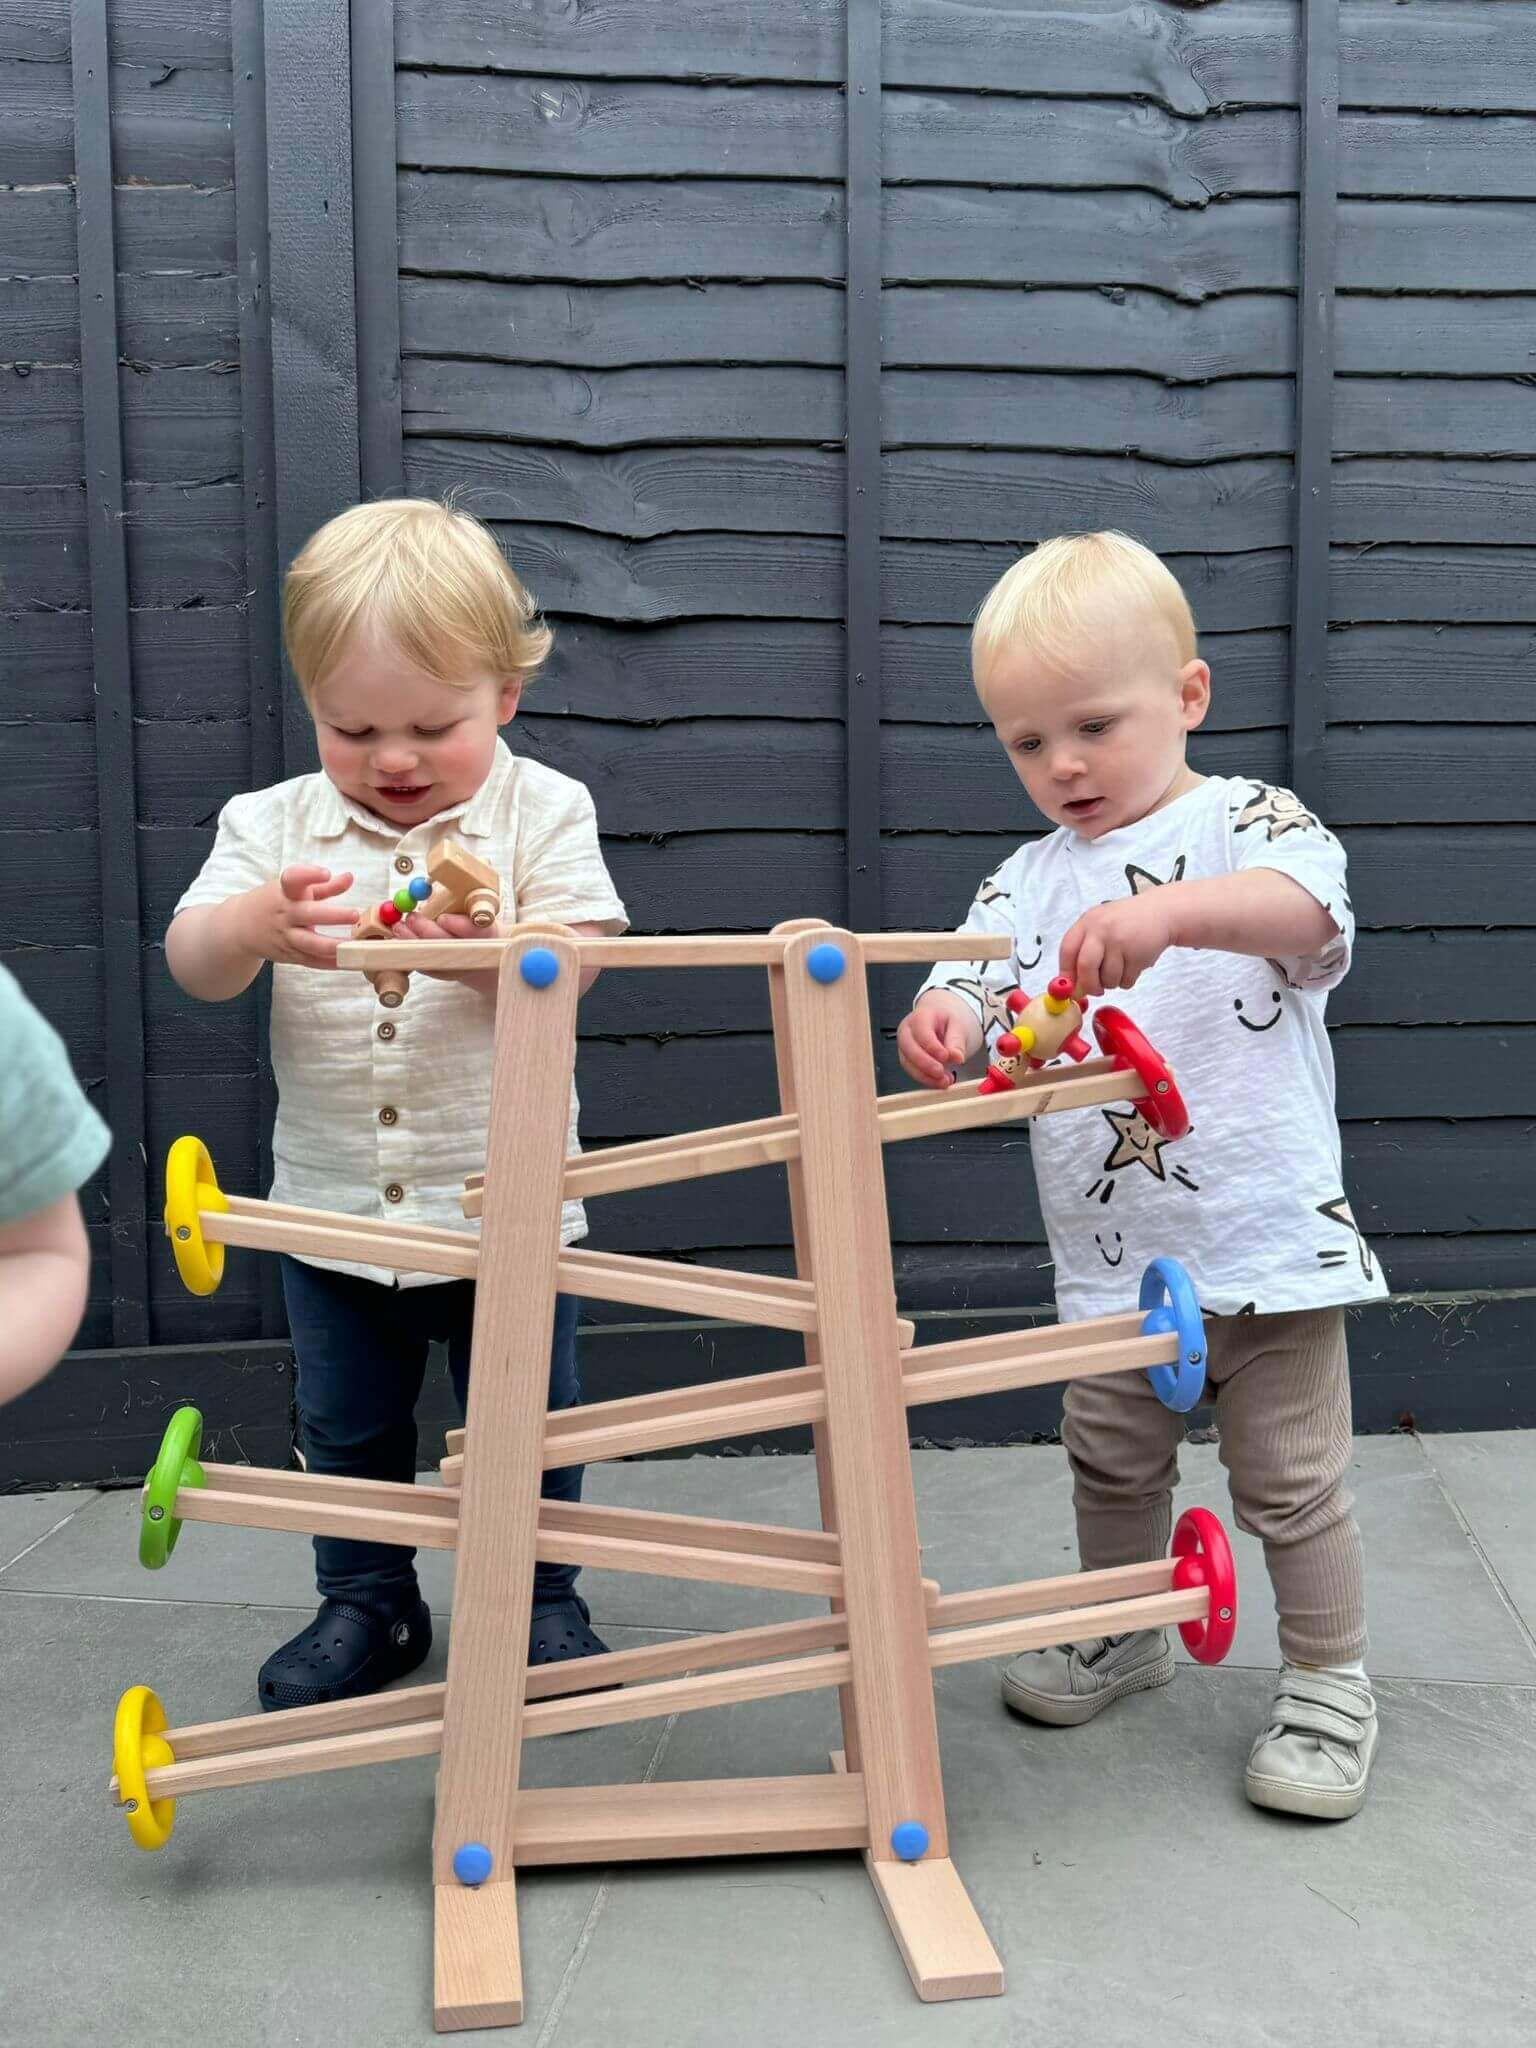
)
(1169, 1297)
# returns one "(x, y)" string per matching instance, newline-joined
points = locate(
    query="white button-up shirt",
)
(383, 1112)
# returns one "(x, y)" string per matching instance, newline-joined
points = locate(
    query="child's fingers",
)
(1088, 976)
(315, 912)
(311, 949)
(333, 887)
(418, 926)
(1071, 947)
(295, 881)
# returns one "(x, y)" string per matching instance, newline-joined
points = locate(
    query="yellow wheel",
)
(191, 1186)
(138, 1745)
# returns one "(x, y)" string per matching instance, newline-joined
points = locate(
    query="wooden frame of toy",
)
(886, 1630)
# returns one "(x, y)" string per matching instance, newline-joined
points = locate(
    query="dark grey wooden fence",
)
(766, 338)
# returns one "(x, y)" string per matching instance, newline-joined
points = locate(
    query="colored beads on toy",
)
(909, 1840)
(538, 967)
(389, 913)
(472, 1863)
(418, 888)
(404, 901)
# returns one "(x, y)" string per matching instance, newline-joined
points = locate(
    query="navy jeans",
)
(361, 1349)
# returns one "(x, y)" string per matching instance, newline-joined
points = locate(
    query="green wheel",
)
(175, 1468)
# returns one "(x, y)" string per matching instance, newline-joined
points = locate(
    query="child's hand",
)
(451, 925)
(1114, 944)
(931, 1042)
(279, 920)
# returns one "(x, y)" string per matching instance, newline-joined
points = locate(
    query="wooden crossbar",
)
(996, 1363)
(711, 1291)
(614, 1539)
(767, 1141)
(708, 949)
(421, 1736)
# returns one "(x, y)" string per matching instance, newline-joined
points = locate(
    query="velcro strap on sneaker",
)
(1311, 1717)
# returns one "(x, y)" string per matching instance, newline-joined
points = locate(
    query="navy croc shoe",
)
(347, 1650)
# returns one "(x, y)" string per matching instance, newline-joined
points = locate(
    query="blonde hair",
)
(428, 578)
(1067, 587)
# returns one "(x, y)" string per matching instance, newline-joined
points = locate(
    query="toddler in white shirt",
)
(412, 641)
(1224, 903)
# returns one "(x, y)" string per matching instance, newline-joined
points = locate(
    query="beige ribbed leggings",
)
(1283, 1412)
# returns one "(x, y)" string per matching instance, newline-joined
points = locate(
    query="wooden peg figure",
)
(455, 882)
(1043, 1028)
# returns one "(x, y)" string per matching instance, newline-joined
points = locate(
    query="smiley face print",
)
(1258, 1015)
(1112, 1248)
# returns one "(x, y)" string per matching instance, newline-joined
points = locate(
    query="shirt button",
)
(403, 863)
(394, 1192)
(389, 1116)
(386, 1032)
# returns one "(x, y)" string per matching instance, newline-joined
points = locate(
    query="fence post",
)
(1317, 215)
(112, 663)
(861, 208)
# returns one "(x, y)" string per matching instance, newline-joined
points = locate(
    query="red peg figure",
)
(1043, 1028)
(455, 881)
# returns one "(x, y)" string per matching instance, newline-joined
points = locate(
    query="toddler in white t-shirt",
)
(1224, 903)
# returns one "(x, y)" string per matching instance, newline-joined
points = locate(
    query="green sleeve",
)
(51, 1140)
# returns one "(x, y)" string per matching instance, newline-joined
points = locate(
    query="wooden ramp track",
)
(763, 1663)
(609, 1539)
(772, 1140)
(997, 1363)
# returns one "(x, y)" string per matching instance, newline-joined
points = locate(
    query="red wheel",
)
(1204, 1558)
(1134, 1053)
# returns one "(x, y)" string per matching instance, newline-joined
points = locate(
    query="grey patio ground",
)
(1133, 1894)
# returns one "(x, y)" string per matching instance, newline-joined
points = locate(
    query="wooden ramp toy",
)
(886, 1629)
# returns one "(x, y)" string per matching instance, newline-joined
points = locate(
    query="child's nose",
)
(394, 757)
(1066, 767)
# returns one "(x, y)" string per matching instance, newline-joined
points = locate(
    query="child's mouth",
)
(404, 793)
(1082, 806)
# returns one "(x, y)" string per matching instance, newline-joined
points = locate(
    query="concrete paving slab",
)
(27, 1519)
(1128, 1885)
(296, 1912)
(1491, 1479)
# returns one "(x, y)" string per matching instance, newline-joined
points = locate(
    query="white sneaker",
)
(1069, 1684)
(1314, 1754)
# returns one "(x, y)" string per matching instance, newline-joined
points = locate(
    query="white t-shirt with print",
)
(1252, 1200)
(383, 1112)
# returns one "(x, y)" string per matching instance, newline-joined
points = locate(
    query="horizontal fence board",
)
(188, 661)
(1000, 494)
(1090, 327)
(1459, 53)
(149, 32)
(173, 319)
(1462, 585)
(542, 124)
(186, 544)
(1426, 672)
(1456, 501)
(1407, 876)
(157, 227)
(992, 409)
(170, 127)
(590, 231)
(179, 426)
(679, 576)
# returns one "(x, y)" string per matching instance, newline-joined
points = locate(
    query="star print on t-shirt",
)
(1279, 810)
(1136, 1144)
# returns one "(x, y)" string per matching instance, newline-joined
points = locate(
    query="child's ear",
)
(508, 699)
(1194, 693)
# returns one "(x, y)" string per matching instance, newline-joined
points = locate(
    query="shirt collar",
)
(472, 820)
